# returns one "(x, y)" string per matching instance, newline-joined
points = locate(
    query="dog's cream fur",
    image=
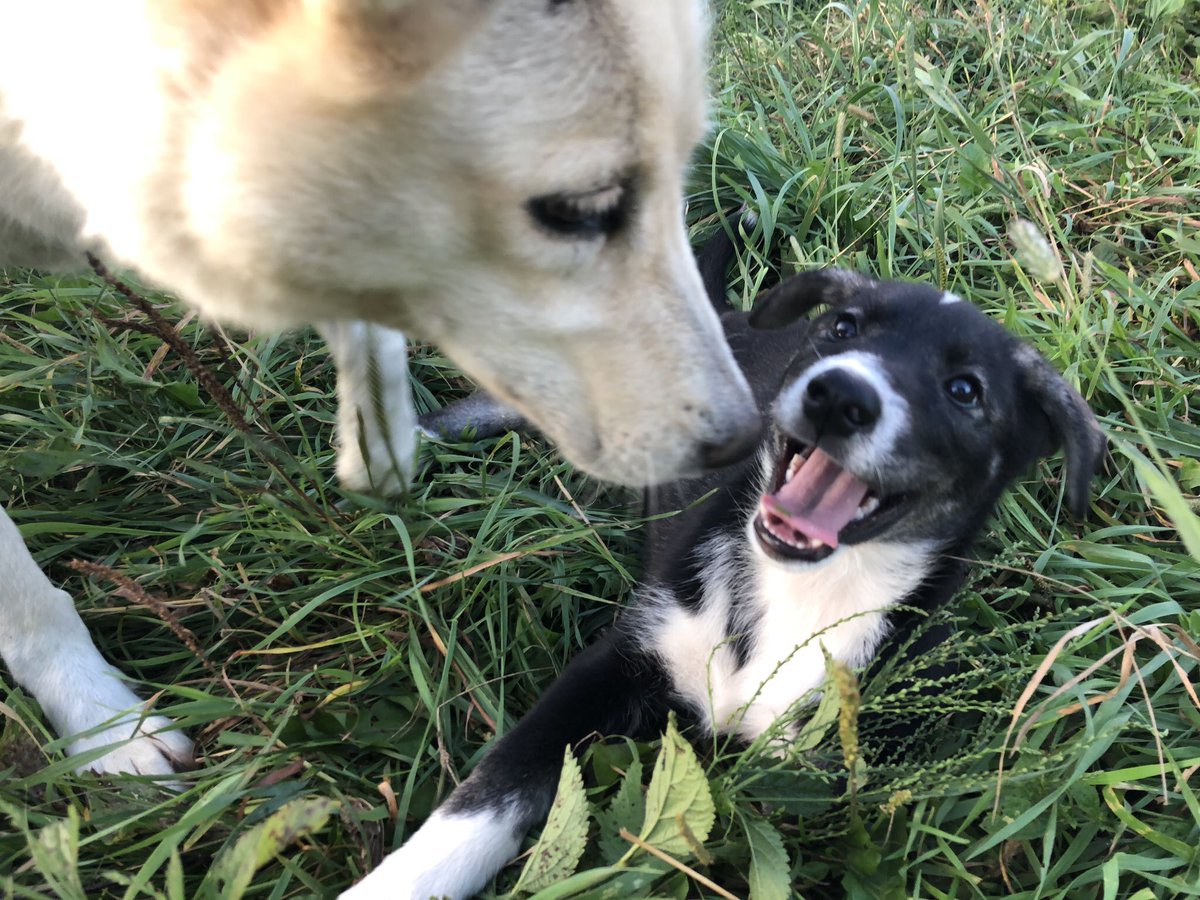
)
(369, 166)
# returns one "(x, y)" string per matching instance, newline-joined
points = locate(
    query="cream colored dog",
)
(501, 177)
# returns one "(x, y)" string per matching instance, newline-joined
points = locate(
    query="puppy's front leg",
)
(611, 688)
(50, 654)
(376, 428)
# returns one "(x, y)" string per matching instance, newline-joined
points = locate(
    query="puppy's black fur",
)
(897, 417)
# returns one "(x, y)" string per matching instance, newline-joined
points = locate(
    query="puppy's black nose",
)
(841, 404)
(740, 443)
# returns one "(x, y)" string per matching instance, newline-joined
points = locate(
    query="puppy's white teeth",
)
(868, 506)
(793, 468)
(789, 535)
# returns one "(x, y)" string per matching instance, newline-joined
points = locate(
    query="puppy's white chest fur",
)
(785, 614)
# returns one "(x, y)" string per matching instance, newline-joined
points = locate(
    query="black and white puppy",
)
(898, 416)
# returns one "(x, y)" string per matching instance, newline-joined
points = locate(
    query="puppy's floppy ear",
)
(405, 38)
(796, 296)
(1072, 425)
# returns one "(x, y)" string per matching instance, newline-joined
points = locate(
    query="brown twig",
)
(135, 593)
(163, 329)
(672, 861)
(479, 567)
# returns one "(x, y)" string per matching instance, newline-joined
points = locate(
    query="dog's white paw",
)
(151, 746)
(376, 424)
(88, 704)
(93, 708)
(50, 653)
(376, 463)
(450, 856)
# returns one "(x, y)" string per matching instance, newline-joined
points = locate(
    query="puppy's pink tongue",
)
(819, 500)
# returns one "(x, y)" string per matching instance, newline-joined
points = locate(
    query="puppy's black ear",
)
(1072, 425)
(797, 296)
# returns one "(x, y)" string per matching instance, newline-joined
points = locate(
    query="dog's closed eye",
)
(584, 215)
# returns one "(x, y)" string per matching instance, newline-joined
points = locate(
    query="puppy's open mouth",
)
(815, 505)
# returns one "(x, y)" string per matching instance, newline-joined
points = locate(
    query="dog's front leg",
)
(377, 439)
(611, 688)
(50, 654)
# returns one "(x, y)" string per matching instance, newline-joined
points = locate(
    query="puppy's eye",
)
(965, 390)
(585, 215)
(844, 327)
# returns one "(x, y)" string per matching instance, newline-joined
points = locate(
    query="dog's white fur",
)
(429, 864)
(49, 651)
(839, 604)
(282, 162)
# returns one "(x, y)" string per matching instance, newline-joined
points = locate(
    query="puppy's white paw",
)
(450, 856)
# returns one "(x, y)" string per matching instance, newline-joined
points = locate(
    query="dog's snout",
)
(841, 403)
(741, 438)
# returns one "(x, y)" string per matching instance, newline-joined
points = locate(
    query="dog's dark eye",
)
(964, 390)
(844, 327)
(590, 214)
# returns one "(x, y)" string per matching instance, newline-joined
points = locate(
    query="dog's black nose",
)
(738, 446)
(840, 403)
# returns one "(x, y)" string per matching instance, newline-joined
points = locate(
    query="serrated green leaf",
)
(235, 868)
(558, 851)
(770, 868)
(627, 810)
(695, 845)
(678, 792)
(628, 807)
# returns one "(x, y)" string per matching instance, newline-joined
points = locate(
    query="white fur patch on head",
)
(451, 856)
(949, 297)
(865, 451)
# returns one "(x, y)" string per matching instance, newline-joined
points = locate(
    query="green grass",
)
(350, 642)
